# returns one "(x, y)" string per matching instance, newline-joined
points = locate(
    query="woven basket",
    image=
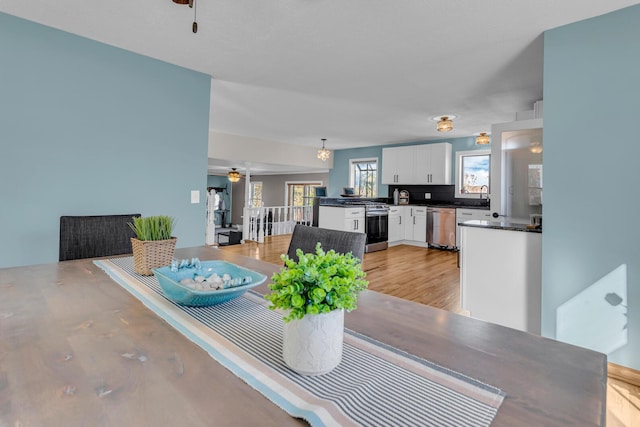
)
(148, 254)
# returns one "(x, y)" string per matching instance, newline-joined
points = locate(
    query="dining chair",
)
(95, 236)
(306, 238)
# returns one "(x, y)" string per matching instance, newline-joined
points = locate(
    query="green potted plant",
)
(153, 246)
(314, 293)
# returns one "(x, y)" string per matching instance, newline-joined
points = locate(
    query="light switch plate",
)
(427, 195)
(195, 196)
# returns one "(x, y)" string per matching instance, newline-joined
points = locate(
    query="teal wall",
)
(591, 240)
(339, 175)
(86, 128)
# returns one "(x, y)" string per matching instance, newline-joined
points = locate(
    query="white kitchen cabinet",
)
(464, 214)
(500, 276)
(415, 228)
(397, 165)
(417, 164)
(440, 164)
(397, 218)
(432, 164)
(339, 218)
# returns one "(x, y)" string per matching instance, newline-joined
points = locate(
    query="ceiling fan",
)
(192, 4)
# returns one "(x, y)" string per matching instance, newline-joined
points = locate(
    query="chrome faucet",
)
(482, 190)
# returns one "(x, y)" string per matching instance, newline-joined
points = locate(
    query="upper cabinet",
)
(417, 164)
(397, 165)
(432, 164)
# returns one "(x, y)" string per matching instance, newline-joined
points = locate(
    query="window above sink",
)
(473, 174)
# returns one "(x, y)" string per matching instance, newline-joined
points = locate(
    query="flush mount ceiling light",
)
(323, 153)
(445, 122)
(192, 4)
(233, 175)
(535, 147)
(483, 139)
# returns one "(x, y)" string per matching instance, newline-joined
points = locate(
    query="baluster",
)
(281, 221)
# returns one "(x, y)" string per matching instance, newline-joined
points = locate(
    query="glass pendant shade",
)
(483, 139)
(535, 148)
(323, 153)
(233, 175)
(445, 124)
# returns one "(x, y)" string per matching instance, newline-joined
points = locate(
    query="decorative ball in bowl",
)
(214, 282)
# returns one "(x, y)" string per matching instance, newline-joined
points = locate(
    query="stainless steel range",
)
(376, 226)
(376, 220)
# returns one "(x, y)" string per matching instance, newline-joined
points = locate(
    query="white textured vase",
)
(313, 345)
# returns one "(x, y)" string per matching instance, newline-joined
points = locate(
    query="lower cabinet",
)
(415, 227)
(501, 276)
(354, 224)
(396, 223)
(338, 218)
(463, 214)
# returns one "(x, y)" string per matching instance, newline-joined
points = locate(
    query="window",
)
(473, 173)
(301, 193)
(300, 197)
(364, 176)
(535, 185)
(255, 197)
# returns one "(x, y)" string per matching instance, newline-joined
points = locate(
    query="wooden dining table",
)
(76, 349)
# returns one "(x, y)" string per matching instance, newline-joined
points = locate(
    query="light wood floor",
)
(431, 277)
(427, 276)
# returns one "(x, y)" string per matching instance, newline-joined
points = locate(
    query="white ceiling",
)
(357, 72)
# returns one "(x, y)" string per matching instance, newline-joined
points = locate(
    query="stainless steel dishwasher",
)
(441, 227)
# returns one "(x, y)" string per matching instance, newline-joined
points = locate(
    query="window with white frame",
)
(473, 173)
(363, 176)
(301, 193)
(299, 198)
(256, 194)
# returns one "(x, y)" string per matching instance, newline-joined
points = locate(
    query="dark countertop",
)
(350, 202)
(454, 205)
(500, 225)
(439, 205)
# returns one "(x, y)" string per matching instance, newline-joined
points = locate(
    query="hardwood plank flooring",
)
(427, 276)
(431, 277)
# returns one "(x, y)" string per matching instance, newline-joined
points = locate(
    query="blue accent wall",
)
(339, 175)
(89, 129)
(591, 239)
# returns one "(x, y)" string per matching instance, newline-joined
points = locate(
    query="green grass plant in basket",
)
(157, 227)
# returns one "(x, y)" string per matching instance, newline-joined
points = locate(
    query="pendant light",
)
(323, 153)
(483, 139)
(233, 175)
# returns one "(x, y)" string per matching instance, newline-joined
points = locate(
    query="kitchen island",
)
(78, 349)
(501, 273)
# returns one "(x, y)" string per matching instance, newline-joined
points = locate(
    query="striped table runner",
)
(374, 385)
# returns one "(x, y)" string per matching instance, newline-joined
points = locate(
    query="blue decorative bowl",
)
(170, 283)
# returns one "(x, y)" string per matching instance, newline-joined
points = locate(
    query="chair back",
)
(306, 238)
(95, 236)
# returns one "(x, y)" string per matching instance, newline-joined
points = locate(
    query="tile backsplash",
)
(439, 194)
